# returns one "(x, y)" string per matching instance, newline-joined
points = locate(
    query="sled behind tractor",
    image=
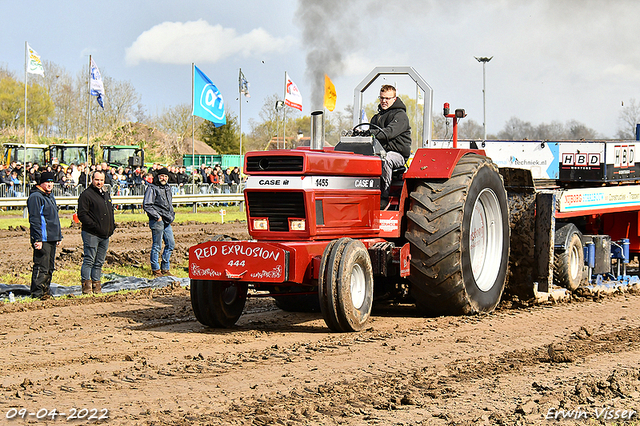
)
(455, 226)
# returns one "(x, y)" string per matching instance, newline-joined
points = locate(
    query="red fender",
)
(437, 162)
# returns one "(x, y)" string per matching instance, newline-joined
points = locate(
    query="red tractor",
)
(321, 241)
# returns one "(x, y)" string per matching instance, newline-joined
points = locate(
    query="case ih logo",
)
(578, 159)
(623, 156)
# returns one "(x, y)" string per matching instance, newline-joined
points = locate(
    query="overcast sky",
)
(552, 59)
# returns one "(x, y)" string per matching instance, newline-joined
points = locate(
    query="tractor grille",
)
(284, 163)
(277, 206)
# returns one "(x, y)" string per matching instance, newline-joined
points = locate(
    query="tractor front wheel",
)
(345, 285)
(218, 304)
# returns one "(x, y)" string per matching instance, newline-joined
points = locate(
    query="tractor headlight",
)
(297, 224)
(261, 224)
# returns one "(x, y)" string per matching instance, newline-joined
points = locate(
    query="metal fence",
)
(188, 194)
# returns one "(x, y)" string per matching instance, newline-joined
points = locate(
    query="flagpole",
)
(26, 62)
(240, 106)
(24, 167)
(284, 115)
(193, 133)
(88, 169)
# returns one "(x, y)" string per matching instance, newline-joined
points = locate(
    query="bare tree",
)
(579, 131)
(516, 129)
(176, 122)
(629, 118)
(470, 129)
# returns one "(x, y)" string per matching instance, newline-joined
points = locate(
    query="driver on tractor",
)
(394, 134)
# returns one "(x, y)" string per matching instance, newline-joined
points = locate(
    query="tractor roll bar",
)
(420, 82)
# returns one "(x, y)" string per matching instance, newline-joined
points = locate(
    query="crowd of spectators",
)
(120, 180)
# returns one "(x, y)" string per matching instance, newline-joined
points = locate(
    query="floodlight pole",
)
(484, 61)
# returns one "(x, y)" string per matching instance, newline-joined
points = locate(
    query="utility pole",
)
(484, 61)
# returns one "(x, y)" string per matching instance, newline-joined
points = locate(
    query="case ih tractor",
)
(319, 238)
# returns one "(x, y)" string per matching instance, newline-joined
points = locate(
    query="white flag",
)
(244, 85)
(34, 64)
(292, 96)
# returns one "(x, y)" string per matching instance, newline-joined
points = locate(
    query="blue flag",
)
(96, 86)
(207, 100)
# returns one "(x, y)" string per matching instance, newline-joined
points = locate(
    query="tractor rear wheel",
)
(218, 304)
(459, 236)
(345, 285)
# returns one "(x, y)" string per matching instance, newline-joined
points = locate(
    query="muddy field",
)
(143, 359)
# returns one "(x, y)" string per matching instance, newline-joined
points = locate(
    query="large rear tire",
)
(345, 285)
(218, 304)
(459, 236)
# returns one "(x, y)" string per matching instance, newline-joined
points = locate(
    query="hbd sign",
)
(623, 156)
(578, 159)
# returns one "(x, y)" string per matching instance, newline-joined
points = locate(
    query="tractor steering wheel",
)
(364, 132)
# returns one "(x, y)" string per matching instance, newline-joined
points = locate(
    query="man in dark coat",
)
(157, 203)
(393, 131)
(95, 212)
(45, 234)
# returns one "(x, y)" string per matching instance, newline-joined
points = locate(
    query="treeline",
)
(58, 102)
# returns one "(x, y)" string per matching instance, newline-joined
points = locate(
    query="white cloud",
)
(198, 41)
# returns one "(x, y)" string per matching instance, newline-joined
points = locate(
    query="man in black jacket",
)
(95, 212)
(393, 131)
(157, 203)
(45, 234)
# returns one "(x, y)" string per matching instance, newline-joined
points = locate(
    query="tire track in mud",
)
(152, 365)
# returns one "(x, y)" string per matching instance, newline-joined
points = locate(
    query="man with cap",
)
(45, 233)
(157, 203)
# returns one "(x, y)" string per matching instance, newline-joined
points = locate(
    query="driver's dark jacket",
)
(396, 130)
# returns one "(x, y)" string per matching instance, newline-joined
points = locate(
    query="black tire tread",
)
(434, 225)
(561, 272)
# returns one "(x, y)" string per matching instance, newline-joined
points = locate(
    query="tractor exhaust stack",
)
(317, 130)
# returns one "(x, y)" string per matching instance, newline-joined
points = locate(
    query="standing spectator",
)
(75, 173)
(33, 175)
(60, 174)
(107, 173)
(95, 212)
(157, 203)
(183, 178)
(45, 234)
(137, 178)
(235, 179)
(82, 178)
(15, 188)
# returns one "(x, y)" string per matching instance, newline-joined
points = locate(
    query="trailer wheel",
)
(345, 288)
(568, 266)
(218, 303)
(459, 235)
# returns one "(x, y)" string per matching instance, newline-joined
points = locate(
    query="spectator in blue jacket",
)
(45, 233)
